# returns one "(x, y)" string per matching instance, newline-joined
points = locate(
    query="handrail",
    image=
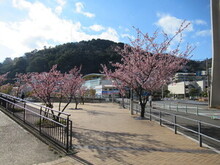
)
(3, 94)
(53, 127)
(175, 124)
(183, 117)
(35, 113)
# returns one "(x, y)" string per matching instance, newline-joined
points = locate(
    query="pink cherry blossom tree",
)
(19, 83)
(121, 86)
(3, 78)
(149, 62)
(81, 93)
(6, 88)
(69, 87)
(46, 85)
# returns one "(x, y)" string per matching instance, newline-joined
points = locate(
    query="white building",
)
(103, 86)
(181, 89)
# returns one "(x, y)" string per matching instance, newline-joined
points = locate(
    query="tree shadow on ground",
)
(75, 109)
(115, 145)
(100, 113)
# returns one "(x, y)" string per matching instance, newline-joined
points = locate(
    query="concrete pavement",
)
(19, 147)
(106, 134)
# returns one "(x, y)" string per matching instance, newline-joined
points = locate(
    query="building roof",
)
(93, 76)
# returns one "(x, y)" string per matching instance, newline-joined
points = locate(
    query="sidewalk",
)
(19, 147)
(106, 134)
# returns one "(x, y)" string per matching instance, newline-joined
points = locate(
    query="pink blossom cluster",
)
(46, 85)
(3, 78)
(149, 62)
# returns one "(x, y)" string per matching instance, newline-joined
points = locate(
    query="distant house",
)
(182, 89)
(180, 77)
(104, 87)
(182, 83)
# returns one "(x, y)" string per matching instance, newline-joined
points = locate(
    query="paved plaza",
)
(104, 133)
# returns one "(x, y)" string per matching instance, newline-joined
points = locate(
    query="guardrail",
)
(51, 124)
(185, 108)
(203, 132)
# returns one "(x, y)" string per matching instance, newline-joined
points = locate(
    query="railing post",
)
(71, 134)
(24, 112)
(131, 107)
(160, 118)
(13, 109)
(67, 135)
(40, 119)
(175, 127)
(197, 110)
(150, 114)
(199, 134)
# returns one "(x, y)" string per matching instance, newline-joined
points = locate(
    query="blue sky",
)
(26, 25)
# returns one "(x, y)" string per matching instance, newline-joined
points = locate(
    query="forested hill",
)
(88, 54)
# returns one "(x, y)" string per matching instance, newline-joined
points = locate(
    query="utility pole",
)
(215, 78)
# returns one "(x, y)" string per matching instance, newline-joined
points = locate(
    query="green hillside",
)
(88, 54)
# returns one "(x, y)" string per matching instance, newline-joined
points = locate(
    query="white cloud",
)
(171, 24)
(59, 8)
(127, 36)
(110, 34)
(61, 2)
(79, 9)
(200, 22)
(97, 28)
(43, 27)
(21, 4)
(203, 33)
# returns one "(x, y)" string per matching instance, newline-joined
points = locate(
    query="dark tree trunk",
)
(76, 102)
(142, 110)
(82, 99)
(123, 102)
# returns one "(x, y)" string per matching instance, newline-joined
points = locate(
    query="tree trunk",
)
(123, 102)
(142, 110)
(76, 101)
(82, 99)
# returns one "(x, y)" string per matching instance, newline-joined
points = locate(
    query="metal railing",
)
(51, 124)
(185, 108)
(203, 132)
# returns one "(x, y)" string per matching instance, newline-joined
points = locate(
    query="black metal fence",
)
(203, 132)
(51, 124)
